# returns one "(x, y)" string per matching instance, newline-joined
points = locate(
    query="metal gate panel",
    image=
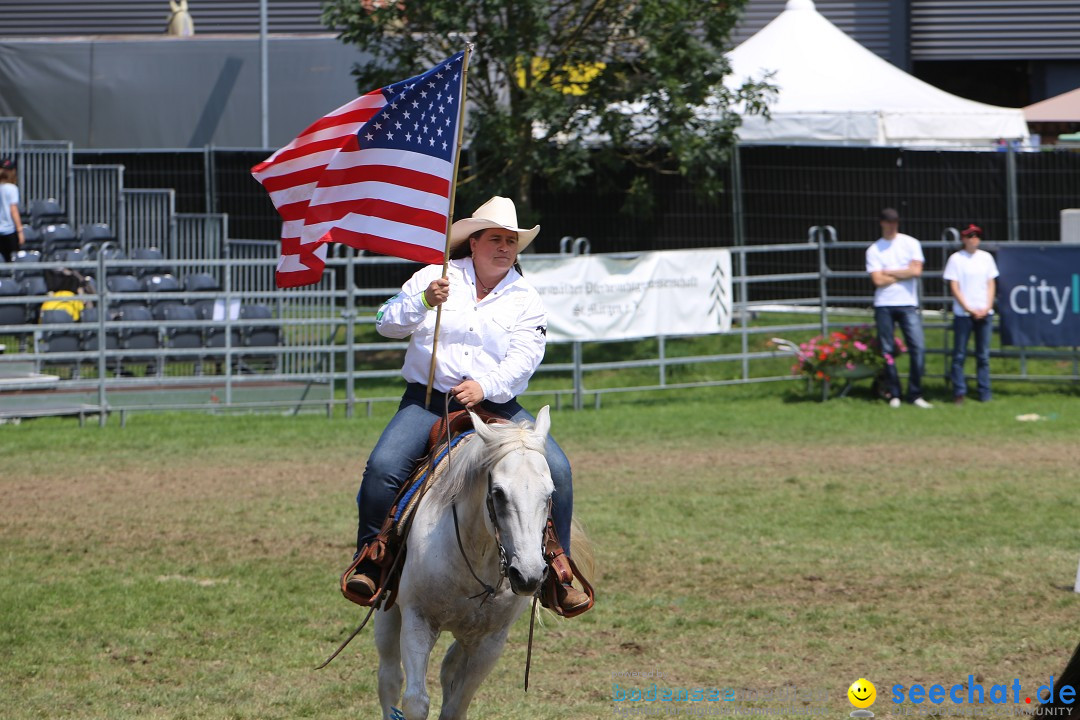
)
(149, 220)
(96, 196)
(45, 171)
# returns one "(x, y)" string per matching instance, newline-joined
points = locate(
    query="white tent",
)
(833, 90)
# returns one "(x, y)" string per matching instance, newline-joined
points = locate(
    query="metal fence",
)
(10, 135)
(97, 196)
(45, 171)
(325, 352)
(149, 221)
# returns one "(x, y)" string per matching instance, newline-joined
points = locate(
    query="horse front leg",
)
(417, 640)
(388, 643)
(463, 669)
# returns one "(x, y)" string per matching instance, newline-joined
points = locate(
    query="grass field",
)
(185, 566)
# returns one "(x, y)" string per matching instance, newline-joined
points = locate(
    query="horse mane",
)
(473, 457)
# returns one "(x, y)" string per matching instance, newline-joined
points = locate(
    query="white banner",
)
(600, 297)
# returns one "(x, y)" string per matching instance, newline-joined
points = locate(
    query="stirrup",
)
(561, 569)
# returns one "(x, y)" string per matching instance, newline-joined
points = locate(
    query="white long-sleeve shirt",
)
(498, 341)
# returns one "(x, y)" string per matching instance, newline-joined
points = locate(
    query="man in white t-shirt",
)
(971, 274)
(895, 262)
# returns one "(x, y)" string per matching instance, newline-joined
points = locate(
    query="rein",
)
(487, 591)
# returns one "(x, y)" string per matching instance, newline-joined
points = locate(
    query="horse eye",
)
(497, 493)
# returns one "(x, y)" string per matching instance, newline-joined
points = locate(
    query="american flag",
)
(374, 174)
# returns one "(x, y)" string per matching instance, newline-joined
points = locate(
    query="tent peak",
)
(799, 5)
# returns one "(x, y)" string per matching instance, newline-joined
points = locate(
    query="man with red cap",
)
(971, 274)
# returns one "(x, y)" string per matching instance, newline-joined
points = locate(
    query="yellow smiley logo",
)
(862, 693)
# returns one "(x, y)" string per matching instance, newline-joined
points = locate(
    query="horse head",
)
(518, 497)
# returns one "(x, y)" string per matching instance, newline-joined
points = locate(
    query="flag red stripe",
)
(300, 177)
(374, 207)
(386, 246)
(412, 179)
(301, 151)
(359, 115)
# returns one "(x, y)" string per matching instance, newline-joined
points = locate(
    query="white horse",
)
(502, 468)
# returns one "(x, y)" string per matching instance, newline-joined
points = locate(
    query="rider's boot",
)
(558, 594)
(363, 583)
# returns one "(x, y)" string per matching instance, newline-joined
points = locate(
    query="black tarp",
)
(158, 92)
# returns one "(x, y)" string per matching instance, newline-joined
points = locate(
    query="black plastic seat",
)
(200, 282)
(160, 283)
(260, 336)
(123, 284)
(185, 337)
(97, 233)
(11, 313)
(150, 254)
(89, 334)
(58, 237)
(139, 337)
(28, 261)
(45, 212)
(31, 237)
(72, 255)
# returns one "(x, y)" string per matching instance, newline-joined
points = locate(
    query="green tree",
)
(558, 88)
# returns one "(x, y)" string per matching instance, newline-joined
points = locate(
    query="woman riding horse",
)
(491, 340)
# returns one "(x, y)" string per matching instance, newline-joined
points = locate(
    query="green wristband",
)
(423, 299)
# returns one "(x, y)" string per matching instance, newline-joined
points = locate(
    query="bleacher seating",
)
(123, 284)
(69, 256)
(45, 212)
(34, 286)
(11, 313)
(31, 237)
(187, 337)
(261, 336)
(58, 237)
(89, 334)
(111, 253)
(55, 341)
(150, 254)
(96, 233)
(27, 259)
(200, 282)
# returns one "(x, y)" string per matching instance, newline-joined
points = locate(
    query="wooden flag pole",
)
(449, 216)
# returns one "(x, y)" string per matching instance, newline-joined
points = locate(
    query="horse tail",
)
(581, 549)
(1069, 676)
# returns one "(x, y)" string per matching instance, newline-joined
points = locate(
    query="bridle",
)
(487, 590)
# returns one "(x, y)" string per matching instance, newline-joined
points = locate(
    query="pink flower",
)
(860, 346)
(889, 359)
(850, 366)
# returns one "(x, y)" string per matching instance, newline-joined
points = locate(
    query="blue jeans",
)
(403, 443)
(907, 317)
(963, 328)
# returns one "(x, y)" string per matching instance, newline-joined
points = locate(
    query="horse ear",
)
(543, 421)
(486, 434)
(174, 7)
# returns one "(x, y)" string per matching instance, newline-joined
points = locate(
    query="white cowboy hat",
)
(498, 212)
